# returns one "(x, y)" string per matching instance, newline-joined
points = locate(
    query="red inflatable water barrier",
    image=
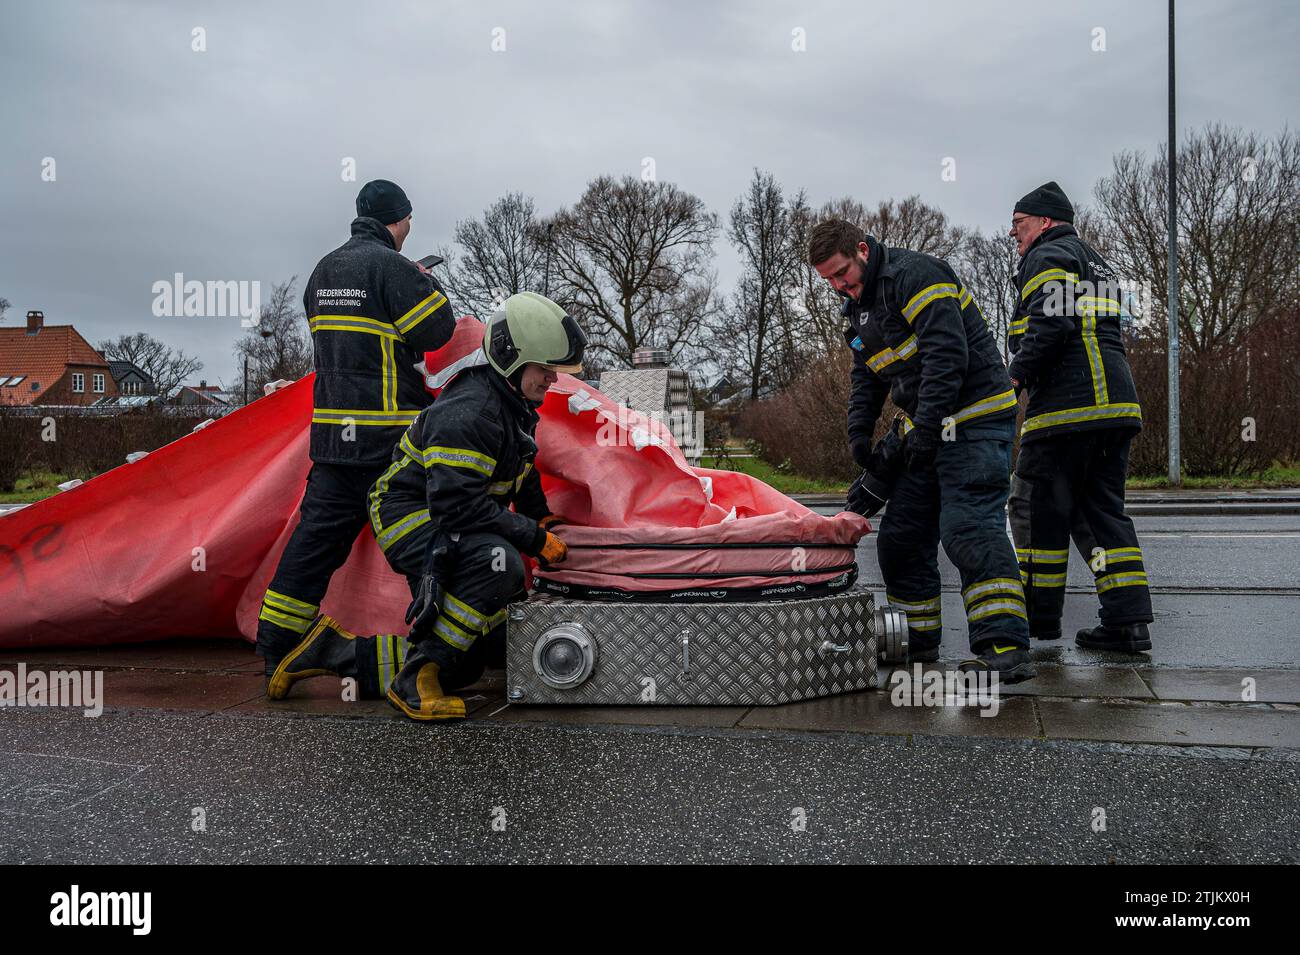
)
(184, 541)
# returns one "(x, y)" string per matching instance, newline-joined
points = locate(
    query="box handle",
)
(831, 647)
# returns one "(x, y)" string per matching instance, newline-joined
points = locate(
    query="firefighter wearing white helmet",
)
(442, 516)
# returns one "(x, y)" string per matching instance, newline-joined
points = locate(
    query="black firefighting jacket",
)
(462, 463)
(918, 336)
(1067, 341)
(373, 314)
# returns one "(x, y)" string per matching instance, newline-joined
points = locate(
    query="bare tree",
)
(279, 345)
(815, 301)
(753, 338)
(909, 223)
(631, 262)
(914, 225)
(1238, 208)
(4, 307)
(987, 265)
(167, 367)
(499, 255)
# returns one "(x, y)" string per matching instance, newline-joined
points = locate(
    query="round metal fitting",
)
(564, 656)
(891, 634)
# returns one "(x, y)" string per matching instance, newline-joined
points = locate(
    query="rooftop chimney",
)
(35, 322)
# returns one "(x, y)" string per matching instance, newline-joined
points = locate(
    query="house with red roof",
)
(51, 365)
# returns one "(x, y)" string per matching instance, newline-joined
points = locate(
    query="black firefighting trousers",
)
(961, 502)
(469, 632)
(1073, 486)
(332, 514)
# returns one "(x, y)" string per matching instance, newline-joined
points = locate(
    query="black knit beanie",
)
(1047, 200)
(383, 200)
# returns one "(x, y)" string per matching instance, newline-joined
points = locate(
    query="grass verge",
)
(33, 486)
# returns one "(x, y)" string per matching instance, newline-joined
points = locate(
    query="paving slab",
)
(201, 655)
(1172, 723)
(1081, 681)
(1227, 686)
(167, 690)
(1056, 680)
(714, 717)
(874, 712)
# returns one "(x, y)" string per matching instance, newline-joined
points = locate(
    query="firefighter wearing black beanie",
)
(1067, 350)
(373, 315)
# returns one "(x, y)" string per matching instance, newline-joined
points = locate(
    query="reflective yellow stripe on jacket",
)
(361, 417)
(887, 356)
(996, 403)
(388, 334)
(933, 293)
(420, 312)
(1076, 415)
(985, 406)
(451, 457)
(1045, 276)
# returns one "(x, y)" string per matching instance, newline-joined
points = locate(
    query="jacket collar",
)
(1051, 235)
(520, 406)
(368, 228)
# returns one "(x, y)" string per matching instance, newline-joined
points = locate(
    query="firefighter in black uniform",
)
(1083, 412)
(442, 515)
(373, 313)
(917, 334)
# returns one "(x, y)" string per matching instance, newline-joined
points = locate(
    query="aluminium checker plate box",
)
(715, 654)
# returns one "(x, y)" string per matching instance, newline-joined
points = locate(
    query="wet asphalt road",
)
(126, 788)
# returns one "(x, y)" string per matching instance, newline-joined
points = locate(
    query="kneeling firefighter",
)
(441, 514)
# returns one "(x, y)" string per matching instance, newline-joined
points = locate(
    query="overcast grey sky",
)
(225, 164)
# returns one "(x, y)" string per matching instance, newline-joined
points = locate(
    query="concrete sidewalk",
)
(1128, 702)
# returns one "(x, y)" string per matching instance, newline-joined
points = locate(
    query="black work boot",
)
(917, 654)
(325, 648)
(417, 693)
(1129, 638)
(1010, 662)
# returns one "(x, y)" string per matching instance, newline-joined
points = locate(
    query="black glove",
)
(861, 449)
(920, 449)
(424, 608)
(428, 593)
(867, 495)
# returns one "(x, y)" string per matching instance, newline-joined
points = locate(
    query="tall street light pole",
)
(1175, 451)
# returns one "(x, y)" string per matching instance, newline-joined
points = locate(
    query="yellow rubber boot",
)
(417, 693)
(326, 648)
